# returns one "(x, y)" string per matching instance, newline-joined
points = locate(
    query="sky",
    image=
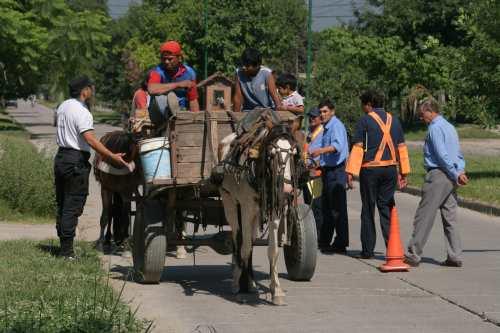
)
(326, 13)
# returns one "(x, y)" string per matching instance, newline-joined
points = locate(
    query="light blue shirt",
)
(315, 144)
(442, 149)
(334, 134)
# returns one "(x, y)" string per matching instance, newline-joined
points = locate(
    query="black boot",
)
(67, 248)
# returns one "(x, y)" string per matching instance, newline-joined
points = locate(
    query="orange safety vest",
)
(385, 142)
(317, 172)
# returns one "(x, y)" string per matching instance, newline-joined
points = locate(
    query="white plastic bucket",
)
(155, 159)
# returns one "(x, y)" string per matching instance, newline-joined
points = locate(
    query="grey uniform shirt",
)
(255, 89)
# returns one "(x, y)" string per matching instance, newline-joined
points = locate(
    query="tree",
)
(23, 44)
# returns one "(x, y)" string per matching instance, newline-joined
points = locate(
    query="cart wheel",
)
(150, 242)
(300, 256)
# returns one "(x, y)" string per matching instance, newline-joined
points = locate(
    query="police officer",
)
(378, 149)
(333, 154)
(75, 136)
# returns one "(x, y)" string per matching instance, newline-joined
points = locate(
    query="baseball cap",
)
(172, 47)
(77, 84)
(314, 112)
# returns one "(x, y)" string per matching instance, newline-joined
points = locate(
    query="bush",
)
(26, 177)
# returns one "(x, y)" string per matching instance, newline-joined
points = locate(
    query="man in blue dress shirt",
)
(445, 167)
(333, 154)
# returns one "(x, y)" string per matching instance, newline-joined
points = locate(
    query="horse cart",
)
(181, 191)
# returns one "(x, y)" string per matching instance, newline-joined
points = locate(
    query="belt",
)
(73, 151)
(432, 168)
(330, 168)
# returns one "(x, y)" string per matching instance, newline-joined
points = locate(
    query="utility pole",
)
(205, 50)
(309, 60)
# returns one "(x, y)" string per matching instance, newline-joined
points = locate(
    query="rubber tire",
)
(150, 242)
(300, 256)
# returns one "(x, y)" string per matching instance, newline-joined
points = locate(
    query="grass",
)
(464, 132)
(483, 173)
(26, 177)
(44, 293)
(110, 118)
(7, 214)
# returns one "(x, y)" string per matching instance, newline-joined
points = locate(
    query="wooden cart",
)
(189, 197)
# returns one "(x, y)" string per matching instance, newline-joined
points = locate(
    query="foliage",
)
(46, 43)
(274, 27)
(26, 177)
(46, 294)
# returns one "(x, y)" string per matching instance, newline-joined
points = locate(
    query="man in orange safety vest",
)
(379, 157)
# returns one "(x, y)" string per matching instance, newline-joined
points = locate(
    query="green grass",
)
(7, 214)
(464, 132)
(483, 173)
(111, 118)
(44, 293)
(26, 180)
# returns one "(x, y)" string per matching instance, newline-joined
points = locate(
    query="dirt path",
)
(38, 121)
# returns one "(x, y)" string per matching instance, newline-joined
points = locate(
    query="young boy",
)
(292, 100)
(255, 86)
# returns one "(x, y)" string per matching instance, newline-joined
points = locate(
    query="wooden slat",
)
(189, 154)
(193, 170)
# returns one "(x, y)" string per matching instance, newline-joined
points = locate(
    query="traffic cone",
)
(395, 253)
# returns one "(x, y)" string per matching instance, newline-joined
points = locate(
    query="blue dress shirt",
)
(334, 134)
(442, 150)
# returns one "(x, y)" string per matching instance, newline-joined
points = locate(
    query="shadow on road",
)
(206, 280)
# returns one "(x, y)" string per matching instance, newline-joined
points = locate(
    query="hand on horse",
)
(118, 161)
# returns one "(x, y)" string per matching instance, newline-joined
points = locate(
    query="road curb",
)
(477, 206)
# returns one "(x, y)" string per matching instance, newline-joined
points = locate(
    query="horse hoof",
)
(181, 253)
(279, 300)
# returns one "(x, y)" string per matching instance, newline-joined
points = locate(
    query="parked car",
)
(11, 103)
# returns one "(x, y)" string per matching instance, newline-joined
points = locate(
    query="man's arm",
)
(293, 108)
(194, 106)
(238, 97)
(162, 88)
(271, 85)
(90, 138)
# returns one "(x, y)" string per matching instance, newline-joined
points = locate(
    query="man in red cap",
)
(173, 83)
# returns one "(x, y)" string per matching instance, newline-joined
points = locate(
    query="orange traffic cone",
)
(395, 253)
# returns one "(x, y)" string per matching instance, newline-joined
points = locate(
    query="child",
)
(255, 86)
(292, 100)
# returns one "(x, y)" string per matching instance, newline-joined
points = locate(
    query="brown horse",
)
(118, 187)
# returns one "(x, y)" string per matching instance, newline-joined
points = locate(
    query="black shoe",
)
(67, 248)
(363, 255)
(451, 263)
(338, 249)
(412, 261)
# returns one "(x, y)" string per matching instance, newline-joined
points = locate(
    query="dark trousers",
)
(316, 207)
(334, 207)
(377, 186)
(71, 171)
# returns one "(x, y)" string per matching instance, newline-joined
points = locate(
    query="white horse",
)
(243, 205)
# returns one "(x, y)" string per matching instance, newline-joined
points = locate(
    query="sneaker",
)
(451, 263)
(412, 261)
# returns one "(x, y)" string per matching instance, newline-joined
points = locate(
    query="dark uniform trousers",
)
(334, 207)
(71, 171)
(377, 186)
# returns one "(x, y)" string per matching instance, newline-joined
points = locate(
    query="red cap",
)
(172, 47)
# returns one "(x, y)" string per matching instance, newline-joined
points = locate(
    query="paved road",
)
(345, 295)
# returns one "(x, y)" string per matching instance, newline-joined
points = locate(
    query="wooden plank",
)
(188, 181)
(189, 154)
(190, 139)
(213, 137)
(189, 127)
(193, 170)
